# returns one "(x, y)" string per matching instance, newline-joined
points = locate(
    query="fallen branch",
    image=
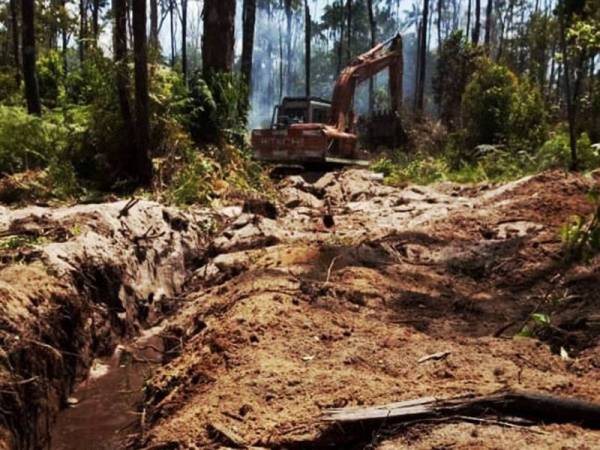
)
(531, 405)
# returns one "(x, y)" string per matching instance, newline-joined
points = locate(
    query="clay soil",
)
(288, 317)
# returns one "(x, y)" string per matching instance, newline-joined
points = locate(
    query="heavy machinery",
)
(312, 130)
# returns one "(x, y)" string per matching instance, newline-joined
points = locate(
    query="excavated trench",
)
(84, 294)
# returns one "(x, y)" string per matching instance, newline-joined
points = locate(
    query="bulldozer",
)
(311, 130)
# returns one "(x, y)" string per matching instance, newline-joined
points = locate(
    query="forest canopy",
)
(162, 94)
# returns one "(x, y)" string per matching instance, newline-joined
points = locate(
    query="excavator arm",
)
(387, 55)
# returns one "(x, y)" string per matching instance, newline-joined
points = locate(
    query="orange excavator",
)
(311, 130)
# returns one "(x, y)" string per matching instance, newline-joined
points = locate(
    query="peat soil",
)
(264, 315)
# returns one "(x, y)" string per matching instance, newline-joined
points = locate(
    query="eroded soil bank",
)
(281, 314)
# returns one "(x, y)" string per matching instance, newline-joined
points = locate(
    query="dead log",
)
(538, 407)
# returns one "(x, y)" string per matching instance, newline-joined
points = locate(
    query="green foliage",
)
(457, 61)
(498, 109)
(192, 184)
(556, 153)
(216, 111)
(50, 78)
(537, 323)
(487, 104)
(581, 237)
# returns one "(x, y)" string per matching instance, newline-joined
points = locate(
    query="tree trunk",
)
(82, 29)
(142, 163)
(307, 45)
(477, 26)
(219, 30)
(153, 40)
(32, 93)
(184, 61)
(95, 24)
(248, 26)
(288, 45)
(469, 7)
(488, 25)
(340, 49)
(439, 22)
(420, 95)
(373, 33)
(119, 8)
(171, 14)
(15, 40)
(65, 37)
(349, 31)
(570, 100)
(281, 73)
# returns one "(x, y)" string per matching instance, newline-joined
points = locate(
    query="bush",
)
(498, 109)
(556, 153)
(488, 103)
(51, 78)
(216, 111)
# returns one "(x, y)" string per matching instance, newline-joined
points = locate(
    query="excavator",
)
(310, 130)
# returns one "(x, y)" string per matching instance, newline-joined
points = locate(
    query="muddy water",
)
(104, 410)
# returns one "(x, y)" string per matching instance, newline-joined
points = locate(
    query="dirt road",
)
(283, 314)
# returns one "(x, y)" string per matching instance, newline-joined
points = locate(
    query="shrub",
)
(488, 103)
(556, 153)
(216, 111)
(50, 78)
(528, 118)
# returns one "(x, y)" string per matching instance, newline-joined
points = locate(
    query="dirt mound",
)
(274, 331)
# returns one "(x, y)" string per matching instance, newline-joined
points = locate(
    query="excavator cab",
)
(294, 110)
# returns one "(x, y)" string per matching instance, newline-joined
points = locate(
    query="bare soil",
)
(290, 317)
(282, 313)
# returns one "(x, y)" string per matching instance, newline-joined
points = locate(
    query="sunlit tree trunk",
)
(219, 39)
(142, 163)
(15, 40)
(32, 93)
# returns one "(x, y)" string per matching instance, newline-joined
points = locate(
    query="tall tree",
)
(15, 40)
(32, 93)
(349, 30)
(420, 94)
(95, 21)
(172, 30)
(153, 38)
(82, 29)
(218, 40)
(373, 36)
(119, 8)
(65, 37)
(248, 27)
(489, 10)
(142, 164)
(477, 25)
(307, 45)
(184, 59)
(288, 44)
